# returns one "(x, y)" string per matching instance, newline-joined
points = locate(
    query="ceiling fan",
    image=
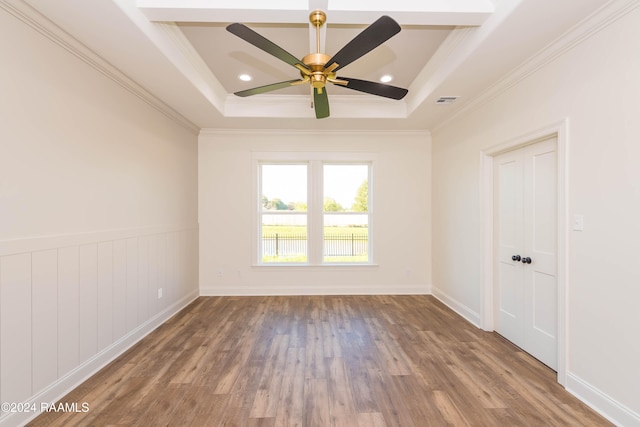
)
(318, 68)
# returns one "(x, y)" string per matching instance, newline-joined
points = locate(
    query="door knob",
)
(526, 260)
(516, 258)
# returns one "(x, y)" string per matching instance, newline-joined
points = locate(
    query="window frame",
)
(260, 212)
(315, 203)
(368, 213)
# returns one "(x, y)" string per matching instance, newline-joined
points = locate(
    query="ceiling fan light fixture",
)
(245, 77)
(386, 78)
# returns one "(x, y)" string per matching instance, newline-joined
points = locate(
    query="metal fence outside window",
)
(346, 244)
(279, 244)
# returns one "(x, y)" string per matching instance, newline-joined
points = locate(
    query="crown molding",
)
(599, 20)
(34, 19)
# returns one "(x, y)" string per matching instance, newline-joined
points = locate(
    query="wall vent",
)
(446, 99)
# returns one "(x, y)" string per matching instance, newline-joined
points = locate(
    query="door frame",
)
(558, 130)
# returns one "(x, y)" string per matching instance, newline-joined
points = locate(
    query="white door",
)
(525, 236)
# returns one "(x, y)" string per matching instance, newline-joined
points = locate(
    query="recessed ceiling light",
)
(386, 78)
(245, 77)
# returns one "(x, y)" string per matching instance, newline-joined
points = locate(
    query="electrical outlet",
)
(220, 273)
(159, 293)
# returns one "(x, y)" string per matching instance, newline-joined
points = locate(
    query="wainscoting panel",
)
(144, 295)
(131, 282)
(119, 289)
(75, 302)
(88, 296)
(15, 330)
(44, 331)
(68, 308)
(105, 294)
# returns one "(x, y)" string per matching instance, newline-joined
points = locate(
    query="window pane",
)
(284, 231)
(284, 188)
(284, 238)
(346, 188)
(346, 238)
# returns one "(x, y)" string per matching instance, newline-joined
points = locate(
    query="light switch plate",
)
(578, 222)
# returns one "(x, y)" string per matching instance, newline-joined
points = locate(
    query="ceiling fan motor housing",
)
(315, 62)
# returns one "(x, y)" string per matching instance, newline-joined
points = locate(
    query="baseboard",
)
(67, 383)
(602, 403)
(455, 305)
(314, 290)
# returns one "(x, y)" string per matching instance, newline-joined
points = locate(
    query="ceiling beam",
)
(411, 12)
(406, 12)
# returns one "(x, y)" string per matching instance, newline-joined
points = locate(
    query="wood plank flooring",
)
(353, 361)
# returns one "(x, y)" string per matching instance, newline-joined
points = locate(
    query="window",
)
(283, 213)
(313, 212)
(345, 213)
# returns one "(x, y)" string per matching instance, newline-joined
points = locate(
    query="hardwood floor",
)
(323, 361)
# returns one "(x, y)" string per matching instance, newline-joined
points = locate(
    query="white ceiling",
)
(180, 52)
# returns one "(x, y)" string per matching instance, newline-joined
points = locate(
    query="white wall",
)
(596, 86)
(98, 209)
(401, 194)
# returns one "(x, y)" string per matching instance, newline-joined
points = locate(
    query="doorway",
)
(525, 248)
(488, 156)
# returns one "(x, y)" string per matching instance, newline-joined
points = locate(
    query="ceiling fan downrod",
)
(317, 19)
(315, 61)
